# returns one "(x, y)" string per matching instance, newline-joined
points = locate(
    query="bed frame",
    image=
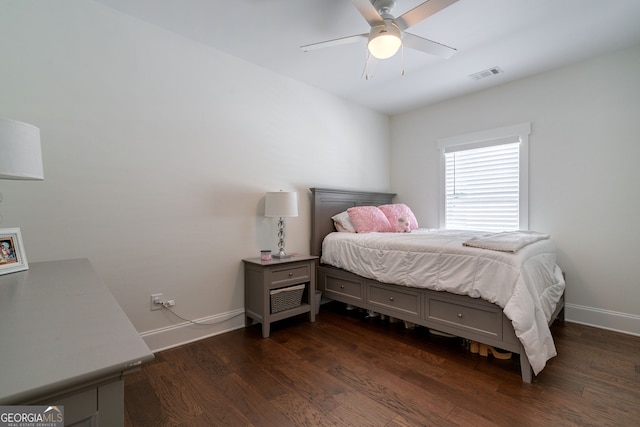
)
(459, 315)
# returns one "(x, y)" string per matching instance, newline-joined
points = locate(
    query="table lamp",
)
(281, 204)
(20, 151)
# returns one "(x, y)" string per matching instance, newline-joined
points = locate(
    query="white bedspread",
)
(526, 284)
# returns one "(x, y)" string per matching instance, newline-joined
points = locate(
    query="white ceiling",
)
(522, 37)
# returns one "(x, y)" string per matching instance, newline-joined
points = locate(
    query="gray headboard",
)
(327, 202)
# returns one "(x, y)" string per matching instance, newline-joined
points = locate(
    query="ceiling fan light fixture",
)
(384, 40)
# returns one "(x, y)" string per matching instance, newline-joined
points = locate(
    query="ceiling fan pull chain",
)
(365, 72)
(402, 59)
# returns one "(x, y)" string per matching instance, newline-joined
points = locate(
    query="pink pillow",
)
(369, 218)
(397, 210)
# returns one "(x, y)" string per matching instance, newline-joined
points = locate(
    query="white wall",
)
(158, 152)
(584, 173)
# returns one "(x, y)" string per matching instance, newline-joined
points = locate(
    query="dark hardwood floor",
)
(346, 370)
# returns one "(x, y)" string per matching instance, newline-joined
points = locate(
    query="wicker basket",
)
(286, 298)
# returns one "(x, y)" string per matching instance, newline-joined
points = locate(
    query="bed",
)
(514, 323)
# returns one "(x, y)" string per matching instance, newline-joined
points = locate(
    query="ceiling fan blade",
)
(369, 12)
(334, 42)
(421, 12)
(429, 46)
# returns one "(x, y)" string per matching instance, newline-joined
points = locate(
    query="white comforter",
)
(526, 285)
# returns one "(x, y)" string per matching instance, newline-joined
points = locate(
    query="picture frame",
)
(12, 255)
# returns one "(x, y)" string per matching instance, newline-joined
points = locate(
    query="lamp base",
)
(281, 256)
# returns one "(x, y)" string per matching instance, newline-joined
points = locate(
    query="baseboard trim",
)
(187, 332)
(603, 319)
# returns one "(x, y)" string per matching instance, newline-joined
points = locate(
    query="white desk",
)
(65, 340)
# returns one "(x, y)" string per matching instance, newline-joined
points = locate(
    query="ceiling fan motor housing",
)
(384, 40)
(384, 6)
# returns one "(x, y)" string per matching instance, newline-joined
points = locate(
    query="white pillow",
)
(342, 220)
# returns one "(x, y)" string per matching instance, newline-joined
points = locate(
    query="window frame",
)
(514, 133)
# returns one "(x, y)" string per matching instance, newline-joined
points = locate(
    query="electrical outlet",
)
(156, 302)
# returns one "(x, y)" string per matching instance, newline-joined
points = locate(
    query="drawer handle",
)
(391, 298)
(460, 315)
(341, 286)
(290, 274)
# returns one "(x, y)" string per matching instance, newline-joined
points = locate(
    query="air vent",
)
(486, 73)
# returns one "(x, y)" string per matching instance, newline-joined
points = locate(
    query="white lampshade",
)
(384, 40)
(20, 151)
(281, 204)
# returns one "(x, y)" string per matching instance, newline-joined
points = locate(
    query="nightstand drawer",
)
(398, 300)
(291, 274)
(486, 321)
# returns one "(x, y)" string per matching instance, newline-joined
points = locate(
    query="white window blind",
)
(482, 188)
(484, 180)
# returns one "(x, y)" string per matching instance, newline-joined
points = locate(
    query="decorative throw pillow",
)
(398, 210)
(404, 225)
(367, 219)
(343, 222)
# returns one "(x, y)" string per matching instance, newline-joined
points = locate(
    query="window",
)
(484, 180)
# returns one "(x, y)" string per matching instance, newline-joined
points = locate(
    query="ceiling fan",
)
(388, 33)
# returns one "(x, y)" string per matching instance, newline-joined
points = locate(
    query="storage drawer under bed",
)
(334, 285)
(398, 300)
(481, 318)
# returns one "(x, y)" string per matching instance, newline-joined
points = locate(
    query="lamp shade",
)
(384, 40)
(20, 151)
(281, 204)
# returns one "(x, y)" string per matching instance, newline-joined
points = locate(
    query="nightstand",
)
(263, 277)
